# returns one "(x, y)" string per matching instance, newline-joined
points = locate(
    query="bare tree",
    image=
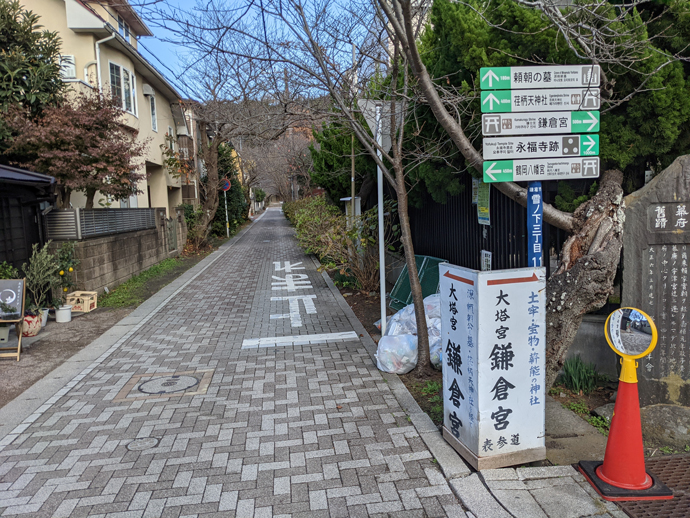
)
(310, 46)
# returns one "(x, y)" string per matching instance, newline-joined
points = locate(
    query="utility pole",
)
(352, 149)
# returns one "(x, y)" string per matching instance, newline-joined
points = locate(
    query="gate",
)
(171, 225)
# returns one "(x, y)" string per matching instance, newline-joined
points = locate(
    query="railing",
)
(66, 224)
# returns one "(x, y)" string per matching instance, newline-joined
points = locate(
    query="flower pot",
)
(4, 334)
(63, 314)
(44, 316)
(31, 326)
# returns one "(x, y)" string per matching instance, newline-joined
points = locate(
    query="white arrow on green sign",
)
(559, 99)
(539, 123)
(549, 76)
(500, 148)
(566, 168)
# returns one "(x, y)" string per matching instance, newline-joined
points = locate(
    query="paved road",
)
(189, 414)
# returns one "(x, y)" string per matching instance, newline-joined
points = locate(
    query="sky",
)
(161, 54)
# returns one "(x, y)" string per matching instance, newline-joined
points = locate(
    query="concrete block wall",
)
(111, 260)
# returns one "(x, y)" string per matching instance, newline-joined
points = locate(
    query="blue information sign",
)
(535, 209)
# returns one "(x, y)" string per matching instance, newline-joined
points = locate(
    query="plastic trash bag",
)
(404, 323)
(435, 346)
(397, 354)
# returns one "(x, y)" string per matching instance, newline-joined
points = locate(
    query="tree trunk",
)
(584, 279)
(423, 368)
(90, 194)
(210, 203)
(63, 196)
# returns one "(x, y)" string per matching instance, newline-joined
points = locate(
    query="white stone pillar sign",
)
(493, 329)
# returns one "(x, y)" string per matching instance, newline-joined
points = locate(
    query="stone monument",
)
(656, 244)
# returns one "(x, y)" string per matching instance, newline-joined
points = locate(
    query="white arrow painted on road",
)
(593, 120)
(492, 99)
(490, 74)
(491, 170)
(591, 143)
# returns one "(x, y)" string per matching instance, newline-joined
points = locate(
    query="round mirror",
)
(631, 332)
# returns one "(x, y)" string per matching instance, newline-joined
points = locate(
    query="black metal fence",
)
(451, 231)
(65, 224)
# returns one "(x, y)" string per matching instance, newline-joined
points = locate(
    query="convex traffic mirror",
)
(631, 333)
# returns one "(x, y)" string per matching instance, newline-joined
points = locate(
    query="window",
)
(123, 88)
(154, 121)
(123, 28)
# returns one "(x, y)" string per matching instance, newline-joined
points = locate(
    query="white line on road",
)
(282, 341)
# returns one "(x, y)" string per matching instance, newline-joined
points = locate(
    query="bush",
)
(7, 271)
(196, 232)
(321, 229)
(237, 209)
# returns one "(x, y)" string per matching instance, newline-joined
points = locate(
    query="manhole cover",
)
(168, 384)
(674, 471)
(143, 444)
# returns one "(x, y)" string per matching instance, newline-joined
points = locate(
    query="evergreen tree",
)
(29, 61)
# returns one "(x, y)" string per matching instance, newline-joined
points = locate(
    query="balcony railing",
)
(67, 224)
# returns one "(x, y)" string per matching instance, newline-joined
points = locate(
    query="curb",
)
(449, 461)
(17, 415)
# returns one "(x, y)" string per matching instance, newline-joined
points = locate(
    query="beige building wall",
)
(165, 190)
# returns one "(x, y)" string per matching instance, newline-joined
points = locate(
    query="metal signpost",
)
(541, 144)
(378, 116)
(539, 123)
(226, 187)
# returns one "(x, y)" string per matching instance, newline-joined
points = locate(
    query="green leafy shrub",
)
(196, 231)
(322, 229)
(67, 262)
(42, 277)
(579, 376)
(7, 271)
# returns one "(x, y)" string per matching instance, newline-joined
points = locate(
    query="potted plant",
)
(7, 271)
(67, 262)
(41, 279)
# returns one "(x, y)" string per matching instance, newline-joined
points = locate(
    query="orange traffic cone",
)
(624, 458)
(622, 475)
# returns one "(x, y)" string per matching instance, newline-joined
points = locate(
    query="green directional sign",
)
(539, 123)
(496, 102)
(495, 78)
(543, 76)
(546, 100)
(540, 146)
(583, 122)
(565, 168)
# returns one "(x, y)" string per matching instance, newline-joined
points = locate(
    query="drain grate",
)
(160, 385)
(168, 384)
(674, 471)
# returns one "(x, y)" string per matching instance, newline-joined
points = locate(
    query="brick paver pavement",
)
(180, 420)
